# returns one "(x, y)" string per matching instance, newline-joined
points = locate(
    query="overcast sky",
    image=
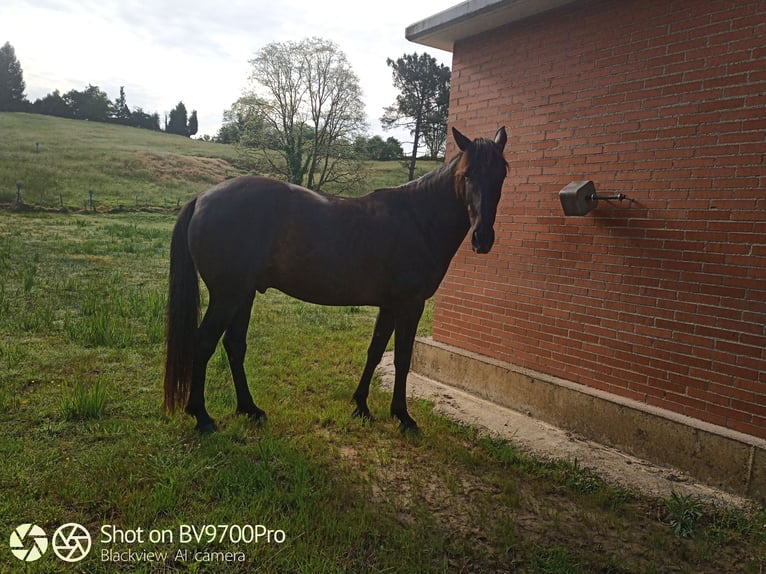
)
(197, 51)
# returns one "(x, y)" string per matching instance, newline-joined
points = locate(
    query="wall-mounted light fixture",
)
(579, 197)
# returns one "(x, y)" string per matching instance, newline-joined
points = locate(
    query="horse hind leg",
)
(235, 343)
(384, 327)
(208, 334)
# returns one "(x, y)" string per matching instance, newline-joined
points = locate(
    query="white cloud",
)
(164, 51)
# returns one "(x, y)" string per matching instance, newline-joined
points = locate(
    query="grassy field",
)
(83, 437)
(59, 162)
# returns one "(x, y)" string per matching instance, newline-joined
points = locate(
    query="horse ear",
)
(461, 141)
(501, 137)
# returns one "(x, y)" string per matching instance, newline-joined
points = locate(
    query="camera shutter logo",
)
(28, 542)
(71, 542)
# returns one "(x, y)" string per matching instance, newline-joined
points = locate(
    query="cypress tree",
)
(177, 124)
(12, 98)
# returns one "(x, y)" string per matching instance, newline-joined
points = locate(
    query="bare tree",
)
(308, 103)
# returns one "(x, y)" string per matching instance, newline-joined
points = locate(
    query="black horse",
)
(389, 249)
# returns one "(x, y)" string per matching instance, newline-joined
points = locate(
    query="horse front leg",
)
(384, 327)
(407, 320)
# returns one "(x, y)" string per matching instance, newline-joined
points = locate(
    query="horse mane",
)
(463, 164)
(482, 154)
(433, 177)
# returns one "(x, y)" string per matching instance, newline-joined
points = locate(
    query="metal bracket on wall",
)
(580, 197)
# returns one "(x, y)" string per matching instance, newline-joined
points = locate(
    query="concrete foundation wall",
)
(729, 460)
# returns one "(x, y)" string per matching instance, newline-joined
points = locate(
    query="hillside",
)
(122, 165)
(58, 161)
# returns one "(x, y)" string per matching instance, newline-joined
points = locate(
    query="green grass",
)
(124, 167)
(83, 402)
(83, 439)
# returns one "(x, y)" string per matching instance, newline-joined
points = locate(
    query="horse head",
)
(479, 177)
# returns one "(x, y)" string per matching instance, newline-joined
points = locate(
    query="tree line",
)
(303, 117)
(91, 104)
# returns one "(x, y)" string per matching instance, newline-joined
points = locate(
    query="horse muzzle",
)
(482, 240)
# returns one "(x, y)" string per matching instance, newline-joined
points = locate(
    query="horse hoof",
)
(256, 415)
(207, 428)
(409, 427)
(363, 414)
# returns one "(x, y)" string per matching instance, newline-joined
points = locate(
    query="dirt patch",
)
(551, 443)
(173, 167)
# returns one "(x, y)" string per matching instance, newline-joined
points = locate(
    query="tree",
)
(140, 119)
(422, 102)
(435, 127)
(392, 149)
(12, 86)
(307, 101)
(120, 112)
(91, 104)
(52, 105)
(178, 122)
(376, 149)
(243, 124)
(193, 126)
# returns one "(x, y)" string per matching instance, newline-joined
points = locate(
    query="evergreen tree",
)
(178, 121)
(12, 98)
(140, 119)
(120, 112)
(91, 104)
(193, 125)
(52, 105)
(422, 103)
(376, 149)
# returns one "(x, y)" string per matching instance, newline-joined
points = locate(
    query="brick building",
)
(643, 323)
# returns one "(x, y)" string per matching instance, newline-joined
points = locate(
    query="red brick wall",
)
(662, 300)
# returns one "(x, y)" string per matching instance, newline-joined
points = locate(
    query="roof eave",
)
(473, 17)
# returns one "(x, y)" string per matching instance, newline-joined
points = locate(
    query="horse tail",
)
(182, 313)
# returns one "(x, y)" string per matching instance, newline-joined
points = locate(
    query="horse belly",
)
(330, 280)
